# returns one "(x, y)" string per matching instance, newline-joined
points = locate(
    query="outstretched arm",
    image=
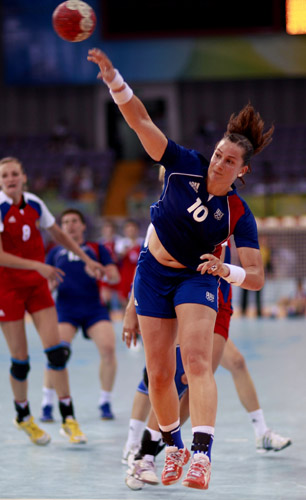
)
(16, 262)
(134, 112)
(92, 267)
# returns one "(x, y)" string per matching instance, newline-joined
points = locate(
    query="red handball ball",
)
(74, 20)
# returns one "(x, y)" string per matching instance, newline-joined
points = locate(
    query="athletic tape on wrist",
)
(236, 276)
(123, 96)
(116, 82)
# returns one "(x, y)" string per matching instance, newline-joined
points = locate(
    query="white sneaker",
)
(128, 454)
(145, 471)
(133, 483)
(271, 441)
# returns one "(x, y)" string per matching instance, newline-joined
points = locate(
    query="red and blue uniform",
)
(189, 222)
(20, 289)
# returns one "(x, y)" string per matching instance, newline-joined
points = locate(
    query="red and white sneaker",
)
(174, 462)
(198, 475)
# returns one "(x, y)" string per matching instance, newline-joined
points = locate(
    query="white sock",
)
(48, 396)
(258, 421)
(136, 428)
(205, 429)
(155, 435)
(105, 397)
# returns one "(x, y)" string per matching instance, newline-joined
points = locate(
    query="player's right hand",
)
(51, 273)
(107, 70)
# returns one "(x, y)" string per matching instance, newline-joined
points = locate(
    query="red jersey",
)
(20, 235)
(128, 264)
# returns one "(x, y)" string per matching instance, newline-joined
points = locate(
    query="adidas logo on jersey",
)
(135, 302)
(195, 185)
(12, 219)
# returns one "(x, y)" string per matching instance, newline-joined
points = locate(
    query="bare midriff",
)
(160, 253)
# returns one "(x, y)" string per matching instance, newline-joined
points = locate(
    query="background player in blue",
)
(78, 304)
(199, 209)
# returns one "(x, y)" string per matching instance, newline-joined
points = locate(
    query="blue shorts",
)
(181, 388)
(82, 318)
(158, 289)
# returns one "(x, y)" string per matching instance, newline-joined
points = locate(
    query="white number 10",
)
(200, 212)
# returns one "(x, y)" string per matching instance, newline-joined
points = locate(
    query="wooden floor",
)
(275, 351)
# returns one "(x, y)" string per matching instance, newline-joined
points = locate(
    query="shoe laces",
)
(271, 437)
(73, 427)
(33, 428)
(199, 465)
(172, 460)
(145, 465)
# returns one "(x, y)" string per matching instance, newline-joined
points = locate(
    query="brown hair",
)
(73, 211)
(247, 130)
(11, 159)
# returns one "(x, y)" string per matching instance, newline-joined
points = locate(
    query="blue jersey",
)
(188, 220)
(78, 291)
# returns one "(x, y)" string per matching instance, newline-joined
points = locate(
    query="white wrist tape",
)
(236, 276)
(123, 96)
(116, 82)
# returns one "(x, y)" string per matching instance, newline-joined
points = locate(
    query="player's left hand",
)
(212, 265)
(130, 328)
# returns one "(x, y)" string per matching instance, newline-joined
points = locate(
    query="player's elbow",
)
(258, 285)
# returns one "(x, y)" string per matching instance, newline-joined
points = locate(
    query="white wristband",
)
(116, 82)
(123, 96)
(236, 276)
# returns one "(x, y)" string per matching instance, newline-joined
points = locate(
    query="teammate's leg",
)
(67, 333)
(266, 439)
(57, 354)
(103, 334)
(15, 335)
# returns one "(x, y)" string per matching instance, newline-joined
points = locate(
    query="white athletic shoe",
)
(133, 483)
(145, 471)
(271, 441)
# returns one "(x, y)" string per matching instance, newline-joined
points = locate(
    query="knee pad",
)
(19, 369)
(58, 356)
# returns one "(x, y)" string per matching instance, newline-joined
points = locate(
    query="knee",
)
(238, 363)
(58, 356)
(19, 369)
(196, 363)
(108, 353)
(159, 379)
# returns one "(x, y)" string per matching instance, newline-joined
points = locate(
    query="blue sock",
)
(173, 437)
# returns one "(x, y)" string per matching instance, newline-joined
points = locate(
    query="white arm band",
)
(123, 96)
(236, 276)
(119, 96)
(116, 82)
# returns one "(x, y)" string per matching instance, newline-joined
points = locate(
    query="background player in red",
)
(25, 290)
(127, 249)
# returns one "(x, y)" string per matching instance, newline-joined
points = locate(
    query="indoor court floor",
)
(275, 350)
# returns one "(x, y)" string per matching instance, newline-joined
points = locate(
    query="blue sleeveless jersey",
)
(188, 220)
